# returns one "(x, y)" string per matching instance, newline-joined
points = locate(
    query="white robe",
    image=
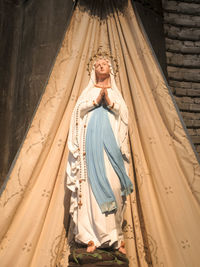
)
(90, 223)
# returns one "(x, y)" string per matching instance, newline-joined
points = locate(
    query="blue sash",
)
(100, 137)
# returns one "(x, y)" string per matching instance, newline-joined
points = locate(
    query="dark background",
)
(31, 32)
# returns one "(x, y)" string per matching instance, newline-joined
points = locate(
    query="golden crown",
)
(102, 55)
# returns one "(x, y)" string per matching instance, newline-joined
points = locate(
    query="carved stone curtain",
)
(163, 215)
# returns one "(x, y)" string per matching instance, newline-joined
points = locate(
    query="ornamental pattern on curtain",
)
(162, 217)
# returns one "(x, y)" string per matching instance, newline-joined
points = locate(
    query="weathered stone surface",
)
(192, 123)
(181, 20)
(184, 99)
(182, 33)
(175, 59)
(190, 115)
(189, 107)
(195, 139)
(80, 257)
(192, 132)
(183, 74)
(184, 47)
(182, 7)
(185, 84)
(180, 88)
(179, 91)
(183, 92)
(198, 148)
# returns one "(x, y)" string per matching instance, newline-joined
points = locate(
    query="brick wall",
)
(182, 38)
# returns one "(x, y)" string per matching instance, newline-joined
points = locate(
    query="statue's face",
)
(102, 68)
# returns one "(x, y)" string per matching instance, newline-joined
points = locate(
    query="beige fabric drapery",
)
(163, 213)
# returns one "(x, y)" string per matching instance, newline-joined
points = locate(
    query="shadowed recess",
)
(102, 8)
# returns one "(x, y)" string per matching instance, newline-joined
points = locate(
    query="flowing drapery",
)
(162, 216)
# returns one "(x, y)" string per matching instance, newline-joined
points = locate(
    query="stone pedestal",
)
(100, 257)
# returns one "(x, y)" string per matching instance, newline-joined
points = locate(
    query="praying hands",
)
(103, 97)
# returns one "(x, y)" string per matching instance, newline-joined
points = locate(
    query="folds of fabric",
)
(98, 140)
(162, 215)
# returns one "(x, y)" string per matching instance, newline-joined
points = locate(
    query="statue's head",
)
(102, 68)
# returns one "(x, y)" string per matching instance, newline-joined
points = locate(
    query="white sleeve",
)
(86, 106)
(72, 172)
(115, 108)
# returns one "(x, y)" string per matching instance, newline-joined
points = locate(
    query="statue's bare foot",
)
(91, 247)
(122, 248)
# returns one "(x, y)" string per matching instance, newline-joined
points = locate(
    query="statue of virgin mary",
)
(97, 169)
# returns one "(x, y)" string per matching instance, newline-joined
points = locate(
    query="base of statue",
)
(100, 257)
